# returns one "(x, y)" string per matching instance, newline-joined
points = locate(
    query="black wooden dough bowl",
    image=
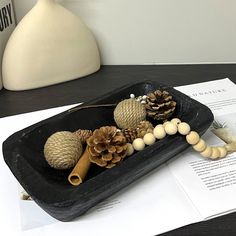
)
(23, 153)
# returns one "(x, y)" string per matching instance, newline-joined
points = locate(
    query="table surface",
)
(110, 78)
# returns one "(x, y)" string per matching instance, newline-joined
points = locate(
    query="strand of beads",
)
(192, 137)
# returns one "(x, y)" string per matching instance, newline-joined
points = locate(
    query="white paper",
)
(211, 185)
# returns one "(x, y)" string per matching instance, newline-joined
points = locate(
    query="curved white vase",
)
(49, 46)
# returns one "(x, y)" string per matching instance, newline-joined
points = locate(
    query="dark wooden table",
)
(110, 78)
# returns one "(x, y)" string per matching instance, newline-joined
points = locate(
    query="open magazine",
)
(185, 190)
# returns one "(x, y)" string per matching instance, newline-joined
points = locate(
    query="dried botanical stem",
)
(91, 106)
(225, 135)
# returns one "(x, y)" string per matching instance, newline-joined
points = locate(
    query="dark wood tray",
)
(49, 188)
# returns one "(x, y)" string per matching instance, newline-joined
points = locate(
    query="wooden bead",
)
(231, 147)
(184, 128)
(138, 144)
(149, 139)
(132, 95)
(215, 153)
(130, 149)
(176, 121)
(165, 123)
(159, 132)
(207, 152)
(193, 138)
(200, 146)
(223, 152)
(171, 128)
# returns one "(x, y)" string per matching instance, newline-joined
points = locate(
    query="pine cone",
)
(107, 146)
(143, 128)
(83, 134)
(160, 105)
(130, 135)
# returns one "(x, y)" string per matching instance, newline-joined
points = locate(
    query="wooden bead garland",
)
(192, 137)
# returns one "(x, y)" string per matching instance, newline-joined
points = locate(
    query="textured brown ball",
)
(129, 113)
(62, 150)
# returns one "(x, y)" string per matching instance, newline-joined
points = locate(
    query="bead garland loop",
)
(192, 137)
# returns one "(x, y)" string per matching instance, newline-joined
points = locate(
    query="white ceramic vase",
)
(50, 45)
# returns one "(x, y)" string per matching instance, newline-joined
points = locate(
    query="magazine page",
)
(211, 185)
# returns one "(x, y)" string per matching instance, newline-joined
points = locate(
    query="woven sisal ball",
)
(63, 150)
(129, 113)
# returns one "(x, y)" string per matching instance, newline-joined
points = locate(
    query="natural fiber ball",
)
(129, 113)
(62, 150)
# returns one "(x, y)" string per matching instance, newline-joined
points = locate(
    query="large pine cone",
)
(107, 146)
(144, 127)
(160, 105)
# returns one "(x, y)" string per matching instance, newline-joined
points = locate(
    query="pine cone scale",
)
(111, 149)
(98, 161)
(116, 159)
(93, 152)
(107, 157)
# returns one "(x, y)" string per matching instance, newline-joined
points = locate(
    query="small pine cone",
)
(160, 105)
(83, 134)
(143, 128)
(130, 135)
(107, 146)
